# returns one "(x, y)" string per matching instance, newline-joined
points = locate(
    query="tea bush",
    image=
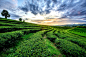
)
(51, 36)
(70, 49)
(8, 38)
(33, 47)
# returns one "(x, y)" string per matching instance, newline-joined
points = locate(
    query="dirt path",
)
(53, 45)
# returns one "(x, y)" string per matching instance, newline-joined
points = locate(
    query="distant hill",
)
(72, 25)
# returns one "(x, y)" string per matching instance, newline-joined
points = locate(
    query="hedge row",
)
(1, 27)
(81, 26)
(4, 24)
(83, 34)
(9, 28)
(6, 39)
(70, 49)
(77, 40)
(33, 47)
(57, 33)
(3, 30)
(47, 30)
(3, 19)
(65, 35)
(14, 22)
(80, 42)
(79, 30)
(7, 23)
(68, 34)
(51, 36)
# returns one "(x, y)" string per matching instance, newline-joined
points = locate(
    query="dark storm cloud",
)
(29, 7)
(24, 9)
(37, 6)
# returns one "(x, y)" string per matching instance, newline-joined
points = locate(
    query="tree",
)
(20, 19)
(5, 13)
(23, 20)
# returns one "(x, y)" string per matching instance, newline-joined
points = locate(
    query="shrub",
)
(79, 41)
(33, 47)
(20, 19)
(14, 28)
(51, 36)
(70, 49)
(8, 38)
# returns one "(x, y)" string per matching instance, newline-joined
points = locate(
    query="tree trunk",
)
(5, 16)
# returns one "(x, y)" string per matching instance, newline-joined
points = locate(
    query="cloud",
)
(55, 1)
(14, 16)
(60, 21)
(78, 8)
(15, 2)
(69, 7)
(8, 4)
(49, 9)
(36, 7)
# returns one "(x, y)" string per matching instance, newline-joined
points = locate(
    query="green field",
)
(22, 39)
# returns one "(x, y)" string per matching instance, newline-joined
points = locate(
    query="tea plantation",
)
(22, 39)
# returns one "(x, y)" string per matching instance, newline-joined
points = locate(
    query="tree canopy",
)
(20, 19)
(5, 13)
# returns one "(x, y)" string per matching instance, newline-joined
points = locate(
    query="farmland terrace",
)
(22, 39)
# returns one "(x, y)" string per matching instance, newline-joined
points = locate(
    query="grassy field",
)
(22, 39)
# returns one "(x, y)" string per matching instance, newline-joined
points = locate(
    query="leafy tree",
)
(20, 19)
(5, 13)
(23, 20)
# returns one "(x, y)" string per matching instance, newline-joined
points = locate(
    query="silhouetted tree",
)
(23, 20)
(5, 13)
(20, 19)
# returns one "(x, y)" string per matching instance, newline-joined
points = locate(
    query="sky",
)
(46, 12)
